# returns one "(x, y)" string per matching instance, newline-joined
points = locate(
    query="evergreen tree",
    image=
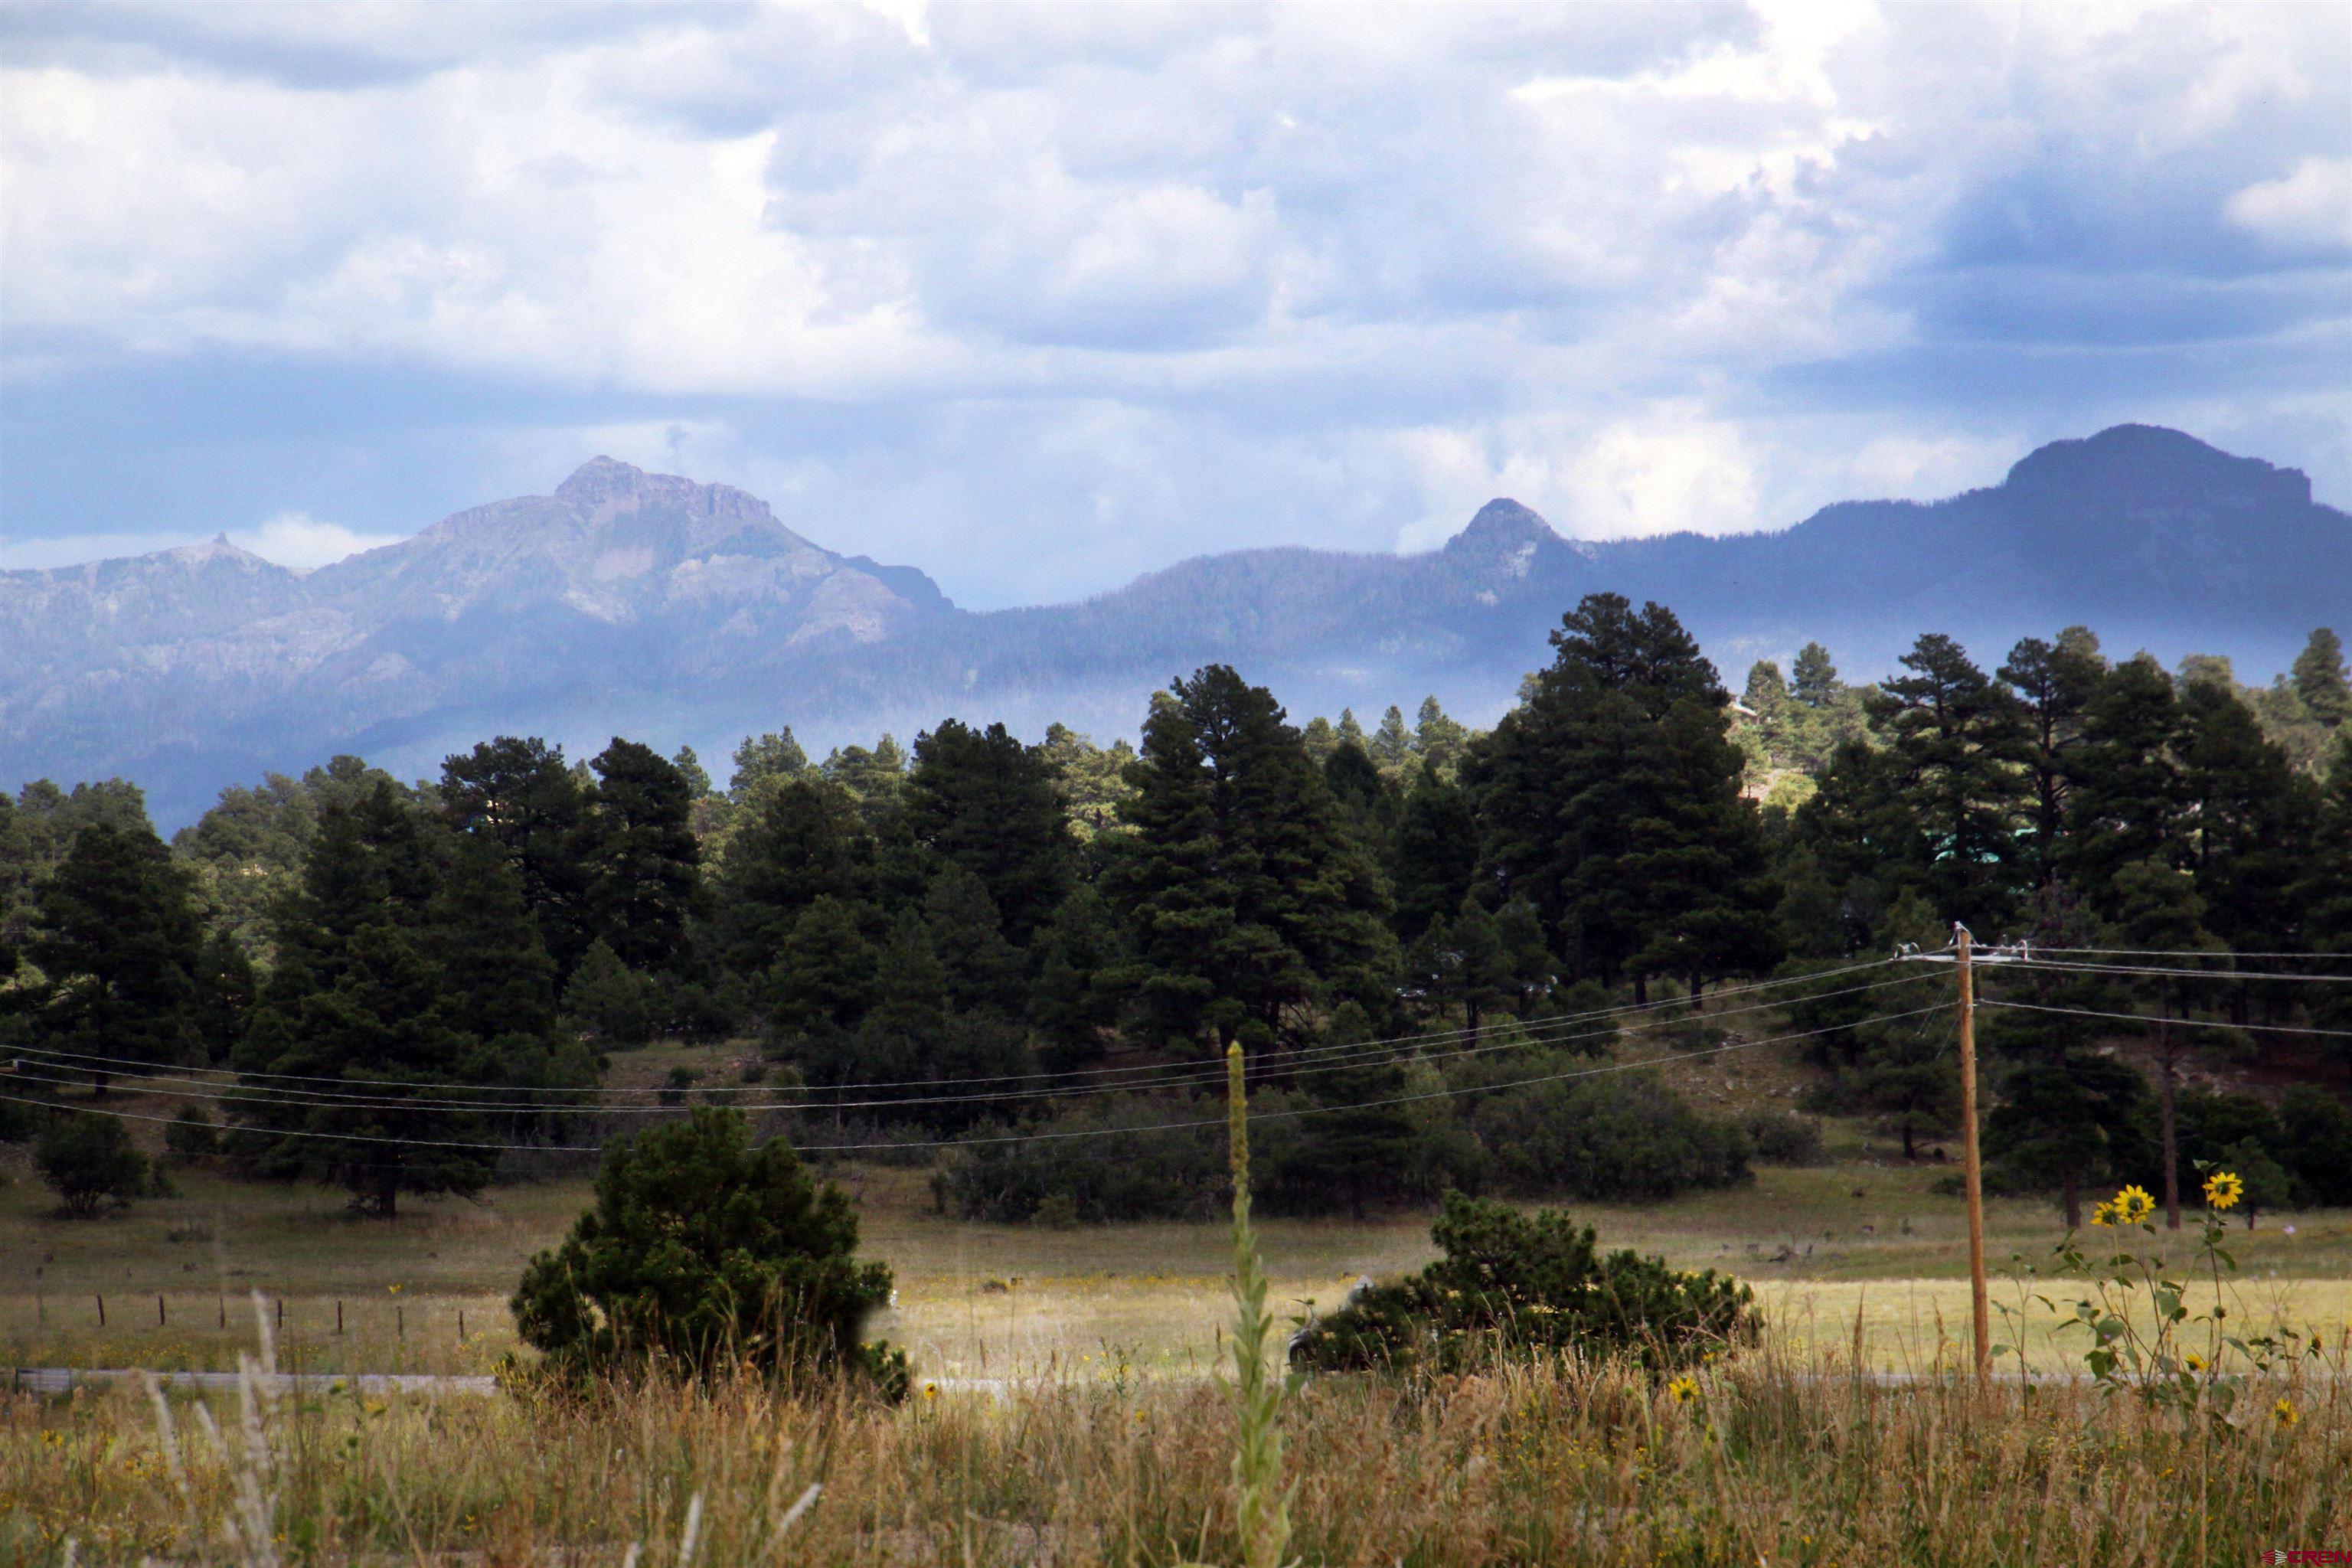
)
(2153, 905)
(608, 998)
(1954, 744)
(1813, 677)
(762, 760)
(226, 990)
(2056, 684)
(876, 779)
(118, 947)
(1249, 899)
(800, 839)
(2126, 786)
(1434, 853)
(2324, 891)
(1077, 996)
(645, 877)
(1526, 958)
(1350, 732)
(982, 800)
(2320, 681)
(521, 794)
(1609, 799)
(984, 972)
(2066, 1115)
(689, 768)
(497, 977)
(2248, 812)
(1355, 781)
(1437, 740)
(1391, 744)
(384, 1020)
(824, 978)
(703, 1253)
(1091, 779)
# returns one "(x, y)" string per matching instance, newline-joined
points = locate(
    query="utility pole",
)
(1971, 1166)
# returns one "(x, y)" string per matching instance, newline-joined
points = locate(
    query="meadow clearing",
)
(1068, 1411)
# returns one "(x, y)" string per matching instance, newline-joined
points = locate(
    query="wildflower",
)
(2134, 1203)
(2284, 1412)
(1684, 1389)
(930, 1391)
(2103, 1214)
(2196, 1362)
(2223, 1189)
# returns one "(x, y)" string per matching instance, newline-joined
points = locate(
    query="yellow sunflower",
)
(2194, 1361)
(1684, 1389)
(2284, 1412)
(2103, 1214)
(2223, 1189)
(2134, 1204)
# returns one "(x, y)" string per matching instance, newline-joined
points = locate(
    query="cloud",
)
(292, 539)
(2310, 207)
(1037, 297)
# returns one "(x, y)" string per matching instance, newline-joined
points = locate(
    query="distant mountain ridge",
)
(653, 605)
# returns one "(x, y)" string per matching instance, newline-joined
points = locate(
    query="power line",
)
(204, 1089)
(2023, 962)
(2180, 1023)
(2182, 953)
(1181, 1072)
(1069, 1132)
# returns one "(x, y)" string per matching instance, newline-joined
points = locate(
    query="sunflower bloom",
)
(2284, 1412)
(2134, 1203)
(1684, 1389)
(2194, 1361)
(2223, 1189)
(2104, 1214)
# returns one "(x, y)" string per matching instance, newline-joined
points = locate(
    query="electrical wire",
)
(2184, 1023)
(1178, 1072)
(2010, 962)
(1202, 1077)
(1068, 1133)
(2181, 953)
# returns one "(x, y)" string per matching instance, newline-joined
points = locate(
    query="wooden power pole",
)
(1971, 1166)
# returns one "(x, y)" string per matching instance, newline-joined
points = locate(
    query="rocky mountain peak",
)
(1502, 541)
(2148, 465)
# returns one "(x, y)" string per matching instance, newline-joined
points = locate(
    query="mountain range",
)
(648, 604)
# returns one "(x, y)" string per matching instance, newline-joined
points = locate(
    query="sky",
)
(1040, 297)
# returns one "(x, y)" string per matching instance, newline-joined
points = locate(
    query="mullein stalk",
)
(1261, 1501)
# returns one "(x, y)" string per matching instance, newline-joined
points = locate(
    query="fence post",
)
(101, 1309)
(339, 1317)
(161, 1321)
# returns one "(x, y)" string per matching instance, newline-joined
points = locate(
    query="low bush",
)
(705, 1254)
(1100, 1162)
(1783, 1138)
(191, 1134)
(1514, 1285)
(1617, 1136)
(91, 1165)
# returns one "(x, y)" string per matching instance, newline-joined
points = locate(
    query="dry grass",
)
(1549, 1464)
(981, 1299)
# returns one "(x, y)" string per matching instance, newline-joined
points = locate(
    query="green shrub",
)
(703, 1253)
(191, 1134)
(1781, 1138)
(91, 1165)
(2318, 1131)
(1515, 1285)
(1619, 1136)
(1102, 1164)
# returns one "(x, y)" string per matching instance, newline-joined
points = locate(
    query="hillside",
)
(681, 611)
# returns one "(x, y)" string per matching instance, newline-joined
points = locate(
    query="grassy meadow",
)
(1072, 1417)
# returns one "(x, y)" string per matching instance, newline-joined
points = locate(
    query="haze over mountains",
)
(675, 612)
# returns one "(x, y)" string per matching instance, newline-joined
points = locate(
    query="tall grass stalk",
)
(1260, 1501)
